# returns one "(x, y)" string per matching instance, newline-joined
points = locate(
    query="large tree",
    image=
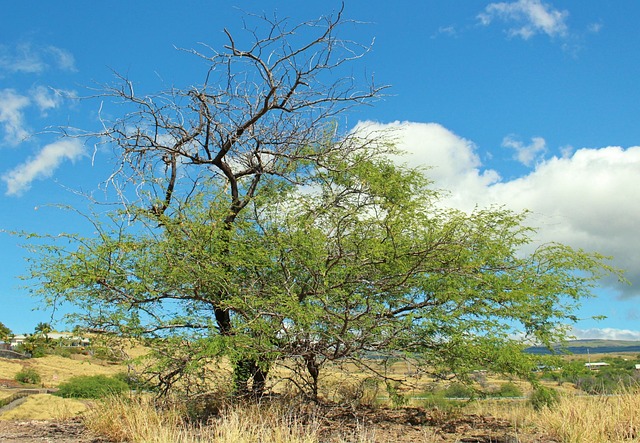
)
(251, 228)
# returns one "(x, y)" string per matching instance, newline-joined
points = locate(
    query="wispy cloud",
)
(527, 18)
(42, 166)
(526, 154)
(27, 58)
(46, 98)
(12, 121)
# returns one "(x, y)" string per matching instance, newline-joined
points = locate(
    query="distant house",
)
(63, 338)
(597, 365)
(17, 340)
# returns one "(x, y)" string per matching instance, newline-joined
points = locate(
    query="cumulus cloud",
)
(586, 199)
(452, 160)
(12, 106)
(527, 18)
(526, 154)
(43, 165)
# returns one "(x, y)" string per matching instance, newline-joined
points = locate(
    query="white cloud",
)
(32, 59)
(526, 154)
(12, 107)
(605, 334)
(528, 17)
(63, 59)
(43, 165)
(453, 162)
(46, 98)
(587, 199)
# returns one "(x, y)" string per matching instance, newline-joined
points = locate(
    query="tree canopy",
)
(5, 333)
(253, 229)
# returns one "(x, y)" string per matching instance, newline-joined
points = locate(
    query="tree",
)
(5, 333)
(259, 119)
(368, 263)
(253, 230)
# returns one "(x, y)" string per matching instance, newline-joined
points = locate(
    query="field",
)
(361, 415)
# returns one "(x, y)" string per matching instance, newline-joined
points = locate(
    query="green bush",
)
(508, 390)
(28, 375)
(543, 397)
(458, 390)
(92, 386)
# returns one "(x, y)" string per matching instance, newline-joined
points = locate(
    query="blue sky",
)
(528, 104)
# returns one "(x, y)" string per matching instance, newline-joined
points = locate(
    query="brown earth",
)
(31, 431)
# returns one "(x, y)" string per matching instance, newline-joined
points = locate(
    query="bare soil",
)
(31, 431)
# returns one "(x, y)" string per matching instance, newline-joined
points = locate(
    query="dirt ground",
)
(416, 425)
(31, 431)
(410, 425)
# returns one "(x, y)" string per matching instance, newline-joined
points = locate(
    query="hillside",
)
(594, 346)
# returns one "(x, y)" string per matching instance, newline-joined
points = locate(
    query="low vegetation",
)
(595, 419)
(28, 376)
(92, 386)
(619, 375)
(45, 407)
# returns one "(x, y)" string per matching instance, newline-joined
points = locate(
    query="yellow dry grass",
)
(137, 420)
(54, 369)
(4, 393)
(45, 407)
(609, 419)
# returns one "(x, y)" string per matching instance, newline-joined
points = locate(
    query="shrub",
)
(357, 392)
(92, 386)
(543, 397)
(508, 390)
(28, 375)
(459, 390)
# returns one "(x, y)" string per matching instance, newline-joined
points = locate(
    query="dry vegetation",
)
(361, 418)
(54, 369)
(45, 407)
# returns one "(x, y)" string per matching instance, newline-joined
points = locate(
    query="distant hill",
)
(595, 346)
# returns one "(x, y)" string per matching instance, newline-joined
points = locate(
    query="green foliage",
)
(92, 386)
(5, 333)
(395, 396)
(507, 390)
(458, 390)
(620, 375)
(544, 397)
(28, 376)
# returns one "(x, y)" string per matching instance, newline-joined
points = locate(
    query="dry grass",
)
(576, 419)
(5, 393)
(593, 419)
(45, 407)
(137, 420)
(54, 369)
